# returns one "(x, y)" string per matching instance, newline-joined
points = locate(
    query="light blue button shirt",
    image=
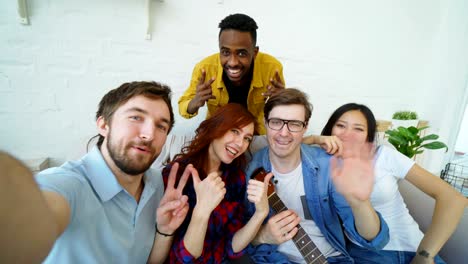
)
(107, 225)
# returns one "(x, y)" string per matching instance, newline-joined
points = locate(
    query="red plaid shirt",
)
(224, 221)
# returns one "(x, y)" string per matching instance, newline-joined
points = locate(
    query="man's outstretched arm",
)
(27, 225)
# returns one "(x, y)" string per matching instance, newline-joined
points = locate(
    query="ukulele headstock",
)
(259, 175)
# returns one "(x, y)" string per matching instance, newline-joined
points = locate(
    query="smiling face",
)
(237, 53)
(230, 146)
(283, 143)
(351, 127)
(136, 134)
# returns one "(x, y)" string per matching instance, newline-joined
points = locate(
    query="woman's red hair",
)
(224, 119)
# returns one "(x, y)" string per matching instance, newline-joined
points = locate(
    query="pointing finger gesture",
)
(203, 93)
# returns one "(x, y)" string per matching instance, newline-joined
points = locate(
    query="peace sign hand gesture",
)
(173, 206)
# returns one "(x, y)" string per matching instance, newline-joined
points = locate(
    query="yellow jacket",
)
(265, 67)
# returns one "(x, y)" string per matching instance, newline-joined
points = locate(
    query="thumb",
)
(267, 183)
(167, 207)
(267, 178)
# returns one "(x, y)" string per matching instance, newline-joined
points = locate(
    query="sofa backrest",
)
(421, 207)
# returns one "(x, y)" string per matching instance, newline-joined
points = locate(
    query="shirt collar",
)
(257, 81)
(309, 155)
(219, 75)
(100, 175)
(103, 179)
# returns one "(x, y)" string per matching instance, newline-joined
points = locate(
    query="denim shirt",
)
(329, 209)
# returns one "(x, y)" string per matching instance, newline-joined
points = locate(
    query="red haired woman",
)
(215, 229)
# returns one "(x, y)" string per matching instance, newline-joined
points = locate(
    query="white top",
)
(293, 183)
(390, 167)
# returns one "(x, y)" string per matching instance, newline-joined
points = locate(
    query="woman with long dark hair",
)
(355, 124)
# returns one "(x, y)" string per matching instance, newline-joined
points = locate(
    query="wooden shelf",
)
(384, 125)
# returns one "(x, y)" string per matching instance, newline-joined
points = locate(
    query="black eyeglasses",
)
(293, 125)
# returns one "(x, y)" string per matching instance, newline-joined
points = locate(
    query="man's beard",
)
(125, 163)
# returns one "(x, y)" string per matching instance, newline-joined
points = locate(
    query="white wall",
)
(462, 139)
(390, 55)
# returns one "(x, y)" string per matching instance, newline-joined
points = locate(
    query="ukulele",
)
(304, 244)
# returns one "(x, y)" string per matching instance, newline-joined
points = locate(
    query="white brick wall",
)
(386, 54)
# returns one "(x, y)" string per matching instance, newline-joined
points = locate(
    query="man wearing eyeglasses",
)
(325, 209)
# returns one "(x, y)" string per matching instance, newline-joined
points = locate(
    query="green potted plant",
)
(404, 119)
(409, 142)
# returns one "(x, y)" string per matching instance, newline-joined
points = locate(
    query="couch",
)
(421, 207)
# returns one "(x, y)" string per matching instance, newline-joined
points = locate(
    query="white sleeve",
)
(399, 163)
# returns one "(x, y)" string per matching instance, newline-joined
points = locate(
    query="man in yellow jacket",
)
(239, 73)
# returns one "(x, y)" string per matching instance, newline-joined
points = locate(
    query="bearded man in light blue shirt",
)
(109, 206)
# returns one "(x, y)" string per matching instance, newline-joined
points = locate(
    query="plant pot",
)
(404, 123)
